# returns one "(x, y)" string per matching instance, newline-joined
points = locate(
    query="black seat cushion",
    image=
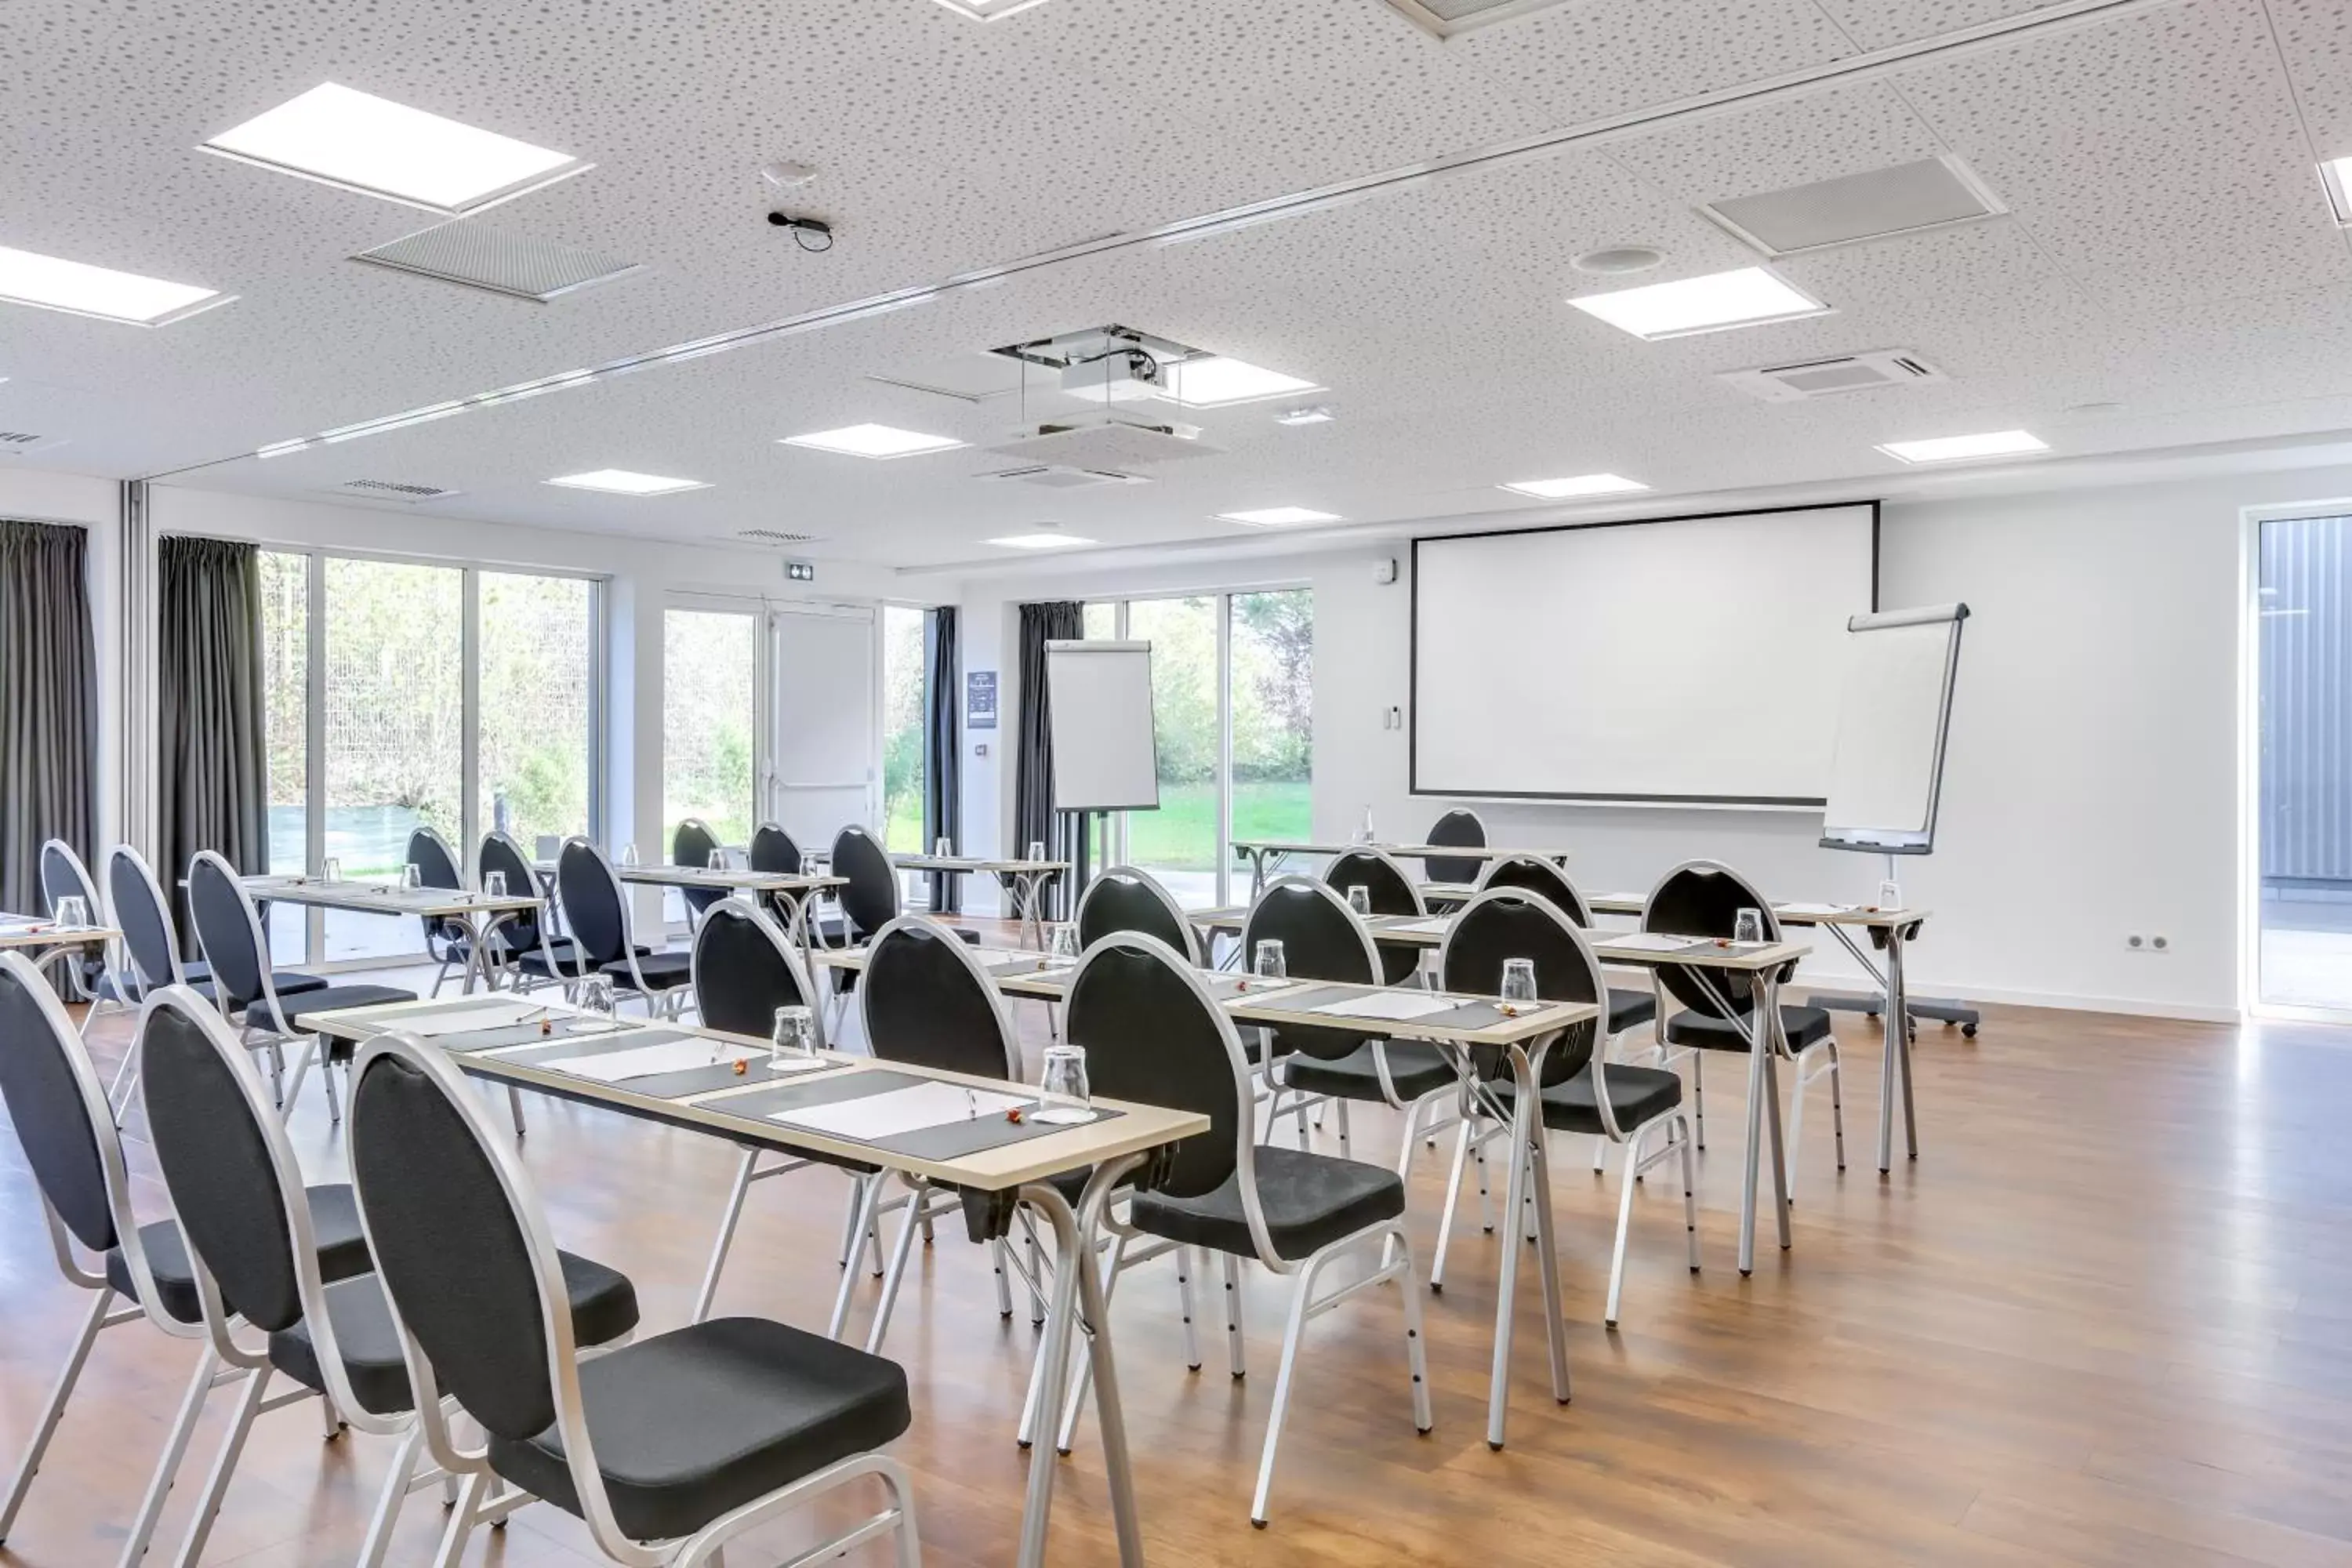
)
(661, 970)
(1630, 1009)
(1804, 1027)
(1636, 1095)
(198, 978)
(530, 960)
(1310, 1201)
(334, 1225)
(1415, 1068)
(696, 1421)
(604, 1308)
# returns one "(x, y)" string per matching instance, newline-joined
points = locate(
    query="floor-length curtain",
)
(1033, 817)
(48, 704)
(942, 748)
(212, 741)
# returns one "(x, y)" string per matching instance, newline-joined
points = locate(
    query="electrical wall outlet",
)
(2139, 942)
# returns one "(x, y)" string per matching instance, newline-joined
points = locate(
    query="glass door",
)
(827, 719)
(2303, 911)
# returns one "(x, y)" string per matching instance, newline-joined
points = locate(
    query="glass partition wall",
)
(401, 694)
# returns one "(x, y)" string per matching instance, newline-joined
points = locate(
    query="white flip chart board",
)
(1104, 757)
(1887, 768)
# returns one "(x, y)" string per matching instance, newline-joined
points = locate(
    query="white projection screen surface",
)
(1694, 661)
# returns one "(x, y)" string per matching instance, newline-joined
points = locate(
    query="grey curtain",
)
(48, 704)
(212, 740)
(942, 751)
(1033, 817)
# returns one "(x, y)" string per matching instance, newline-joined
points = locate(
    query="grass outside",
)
(1182, 833)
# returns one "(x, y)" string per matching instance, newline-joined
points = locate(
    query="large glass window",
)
(1180, 843)
(286, 728)
(904, 673)
(2303, 946)
(536, 754)
(710, 677)
(1272, 656)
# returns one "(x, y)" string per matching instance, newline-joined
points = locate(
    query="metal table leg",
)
(1763, 1106)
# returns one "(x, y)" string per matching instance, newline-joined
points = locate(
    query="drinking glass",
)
(1036, 849)
(716, 859)
(494, 883)
(1064, 1099)
(1518, 980)
(1890, 894)
(73, 911)
(943, 849)
(1747, 926)
(334, 870)
(412, 877)
(1269, 963)
(596, 1001)
(1359, 898)
(628, 854)
(1063, 945)
(793, 1038)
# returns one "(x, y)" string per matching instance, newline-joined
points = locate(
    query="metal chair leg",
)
(1185, 1264)
(1453, 1196)
(907, 1230)
(1236, 1354)
(1292, 1333)
(167, 1466)
(870, 1193)
(396, 1488)
(54, 1410)
(208, 1502)
(726, 1239)
(1681, 1133)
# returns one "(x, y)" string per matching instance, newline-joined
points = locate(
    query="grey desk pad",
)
(1305, 998)
(953, 1141)
(659, 1086)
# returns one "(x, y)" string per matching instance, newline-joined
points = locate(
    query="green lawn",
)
(1182, 832)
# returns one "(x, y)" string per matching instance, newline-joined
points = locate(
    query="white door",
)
(821, 773)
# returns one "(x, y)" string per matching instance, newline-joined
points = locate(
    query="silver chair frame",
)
(667, 1005)
(274, 1028)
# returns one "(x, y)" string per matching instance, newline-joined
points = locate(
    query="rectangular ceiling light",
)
(343, 137)
(1582, 485)
(84, 290)
(1956, 449)
(1748, 297)
(622, 482)
(1277, 516)
(2337, 176)
(988, 10)
(1039, 540)
(873, 441)
(1213, 381)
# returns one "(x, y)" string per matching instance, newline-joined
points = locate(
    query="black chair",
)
(1124, 899)
(246, 988)
(1579, 1090)
(253, 1241)
(1322, 940)
(63, 877)
(772, 850)
(1459, 828)
(445, 942)
(870, 900)
(1704, 898)
(745, 969)
(666, 1448)
(1152, 1035)
(66, 1130)
(1389, 891)
(1628, 1008)
(597, 909)
(526, 944)
(693, 845)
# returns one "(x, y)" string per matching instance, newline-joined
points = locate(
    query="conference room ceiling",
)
(2166, 272)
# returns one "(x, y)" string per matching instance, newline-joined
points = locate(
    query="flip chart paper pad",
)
(652, 1061)
(1397, 1005)
(1887, 766)
(877, 1115)
(1105, 757)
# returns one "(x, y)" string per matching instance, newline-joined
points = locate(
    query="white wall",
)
(2093, 787)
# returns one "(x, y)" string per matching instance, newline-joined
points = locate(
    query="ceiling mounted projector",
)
(1123, 376)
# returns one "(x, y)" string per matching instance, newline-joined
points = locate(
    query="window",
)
(370, 723)
(2304, 906)
(905, 671)
(1233, 690)
(710, 677)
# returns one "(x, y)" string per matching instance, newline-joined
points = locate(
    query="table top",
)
(732, 879)
(1624, 948)
(384, 897)
(32, 930)
(1401, 851)
(1250, 1000)
(1136, 1128)
(1010, 868)
(1790, 914)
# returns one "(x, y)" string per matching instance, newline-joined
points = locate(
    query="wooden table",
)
(45, 939)
(474, 911)
(1024, 881)
(1258, 852)
(1022, 1170)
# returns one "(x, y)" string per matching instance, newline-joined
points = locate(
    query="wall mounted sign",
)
(980, 700)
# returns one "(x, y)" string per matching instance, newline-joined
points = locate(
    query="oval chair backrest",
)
(1534, 874)
(591, 902)
(227, 930)
(691, 846)
(1152, 1035)
(502, 855)
(743, 970)
(58, 1107)
(453, 1251)
(63, 876)
(1704, 898)
(1461, 827)
(773, 851)
(1321, 940)
(1389, 889)
(926, 1001)
(1510, 922)
(871, 899)
(137, 904)
(206, 1113)
(437, 866)
(1124, 899)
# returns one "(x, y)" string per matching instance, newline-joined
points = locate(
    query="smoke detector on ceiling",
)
(1864, 372)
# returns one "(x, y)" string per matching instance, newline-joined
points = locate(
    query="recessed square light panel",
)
(989, 10)
(1581, 485)
(340, 136)
(627, 482)
(1447, 18)
(1748, 297)
(1962, 448)
(2337, 176)
(1278, 517)
(53, 283)
(873, 441)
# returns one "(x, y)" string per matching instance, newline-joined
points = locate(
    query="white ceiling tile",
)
(1593, 58)
(2315, 38)
(1817, 136)
(1881, 24)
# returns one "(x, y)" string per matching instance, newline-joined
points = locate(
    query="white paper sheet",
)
(898, 1111)
(1644, 942)
(487, 1015)
(652, 1061)
(1397, 1005)
(1435, 926)
(1815, 909)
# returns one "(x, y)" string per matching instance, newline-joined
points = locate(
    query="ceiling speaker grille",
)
(775, 536)
(1874, 204)
(394, 490)
(480, 256)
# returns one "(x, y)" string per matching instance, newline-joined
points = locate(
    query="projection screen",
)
(1679, 660)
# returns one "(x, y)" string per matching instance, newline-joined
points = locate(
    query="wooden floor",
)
(2105, 1318)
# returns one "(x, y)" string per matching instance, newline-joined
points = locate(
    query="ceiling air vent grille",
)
(1833, 378)
(1447, 17)
(17, 438)
(774, 536)
(480, 256)
(17, 443)
(394, 490)
(1062, 477)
